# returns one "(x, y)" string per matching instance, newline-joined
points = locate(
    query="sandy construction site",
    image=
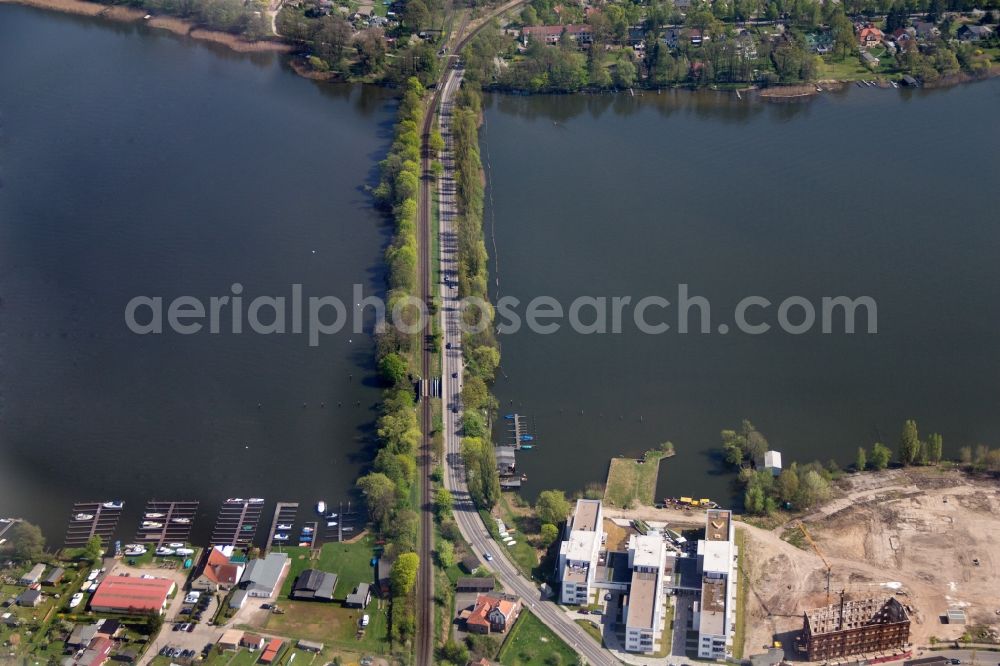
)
(930, 537)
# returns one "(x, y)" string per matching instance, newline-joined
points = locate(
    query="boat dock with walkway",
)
(236, 524)
(101, 520)
(284, 514)
(175, 518)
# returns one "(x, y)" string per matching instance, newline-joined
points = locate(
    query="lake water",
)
(885, 193)
(134, 162)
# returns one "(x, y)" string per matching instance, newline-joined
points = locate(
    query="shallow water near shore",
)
(136, 162)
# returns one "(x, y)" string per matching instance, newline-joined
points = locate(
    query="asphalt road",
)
(467, 517)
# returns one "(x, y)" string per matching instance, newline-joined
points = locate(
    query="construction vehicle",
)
(812, 543)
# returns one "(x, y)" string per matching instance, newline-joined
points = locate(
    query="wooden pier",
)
(348, 521)
(103, 523)
(284, 514)
(177, 519)
(517, 429)
(236, 524)
(6, 524)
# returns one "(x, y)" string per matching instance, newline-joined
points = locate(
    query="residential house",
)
(360, 597)
(671, 37)
(696, 36)
(270, 653)
(252, 641)
(926, 30)
(262, 575)
(492, 613)
(315, 585)
(551, 34)
(55, 577)
(30, 598)
(220, 570)
(81, 636)
(974, 33)
(870, 36)
(96, 654)
(32, 576)
(230, 640)
(869, 59)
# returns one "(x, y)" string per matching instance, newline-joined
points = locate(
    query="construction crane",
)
(812, 543)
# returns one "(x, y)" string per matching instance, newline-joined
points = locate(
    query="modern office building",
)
(643, 605)
(715, 612)
(579, 550)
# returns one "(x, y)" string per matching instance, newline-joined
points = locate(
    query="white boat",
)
(131, 552)
(113, 505)
(175, 544)
(234, 500)
(321, 507)
(307, 530)
(75, 600)
(130, 546)
(331, 523)
(284, 526)
(181, 521)
(281, 537)
(256, 500)
(86, 586)
(331, 515)
(94, 573)
(164, 551)
(83, 516)
(347, 529)
(155, 515)
(151, 525)
(185, 551)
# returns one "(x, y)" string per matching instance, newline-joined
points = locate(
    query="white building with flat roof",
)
(715, 612)
(579, 551)
(642, 607)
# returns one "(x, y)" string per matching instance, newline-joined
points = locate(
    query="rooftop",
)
(647, 550)
(642, 601)
(713, 607)
(586, 515)
(717, 524)
(580, 546)
(717, 556)
(129, 593)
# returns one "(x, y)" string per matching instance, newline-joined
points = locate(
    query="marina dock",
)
(175, 517)
(284, 514)
(236, 524)
(348, 521)
(517, 430)
(102, 521)
(6, 524)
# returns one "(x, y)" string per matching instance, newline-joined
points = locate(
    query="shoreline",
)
(171, 24)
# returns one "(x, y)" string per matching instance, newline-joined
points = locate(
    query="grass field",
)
(531, 643)
(742, 586)
(631, 480)
(331, 623)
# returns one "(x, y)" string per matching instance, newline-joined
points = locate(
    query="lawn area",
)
(350, 561)
(530, 642)
(742, 586)
(524, 525)
(848, 69)
(633, 480)
(329, 622)
(592, 629)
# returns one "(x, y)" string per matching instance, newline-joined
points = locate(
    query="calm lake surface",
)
(886, 193)
(134, 162)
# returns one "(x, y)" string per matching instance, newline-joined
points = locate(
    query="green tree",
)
(965, 455)
(881, 455)
(935, 447)
(393, 368)
(93, 550)
(862, 460)
(445, 552)
(380, 496)
(442, 501)
(548, 534)
(813, 488)
(788, 485)
(403, 574)
(25, 541)
(552, 506)
(909, 443)
(454, 652)
(753, 499)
